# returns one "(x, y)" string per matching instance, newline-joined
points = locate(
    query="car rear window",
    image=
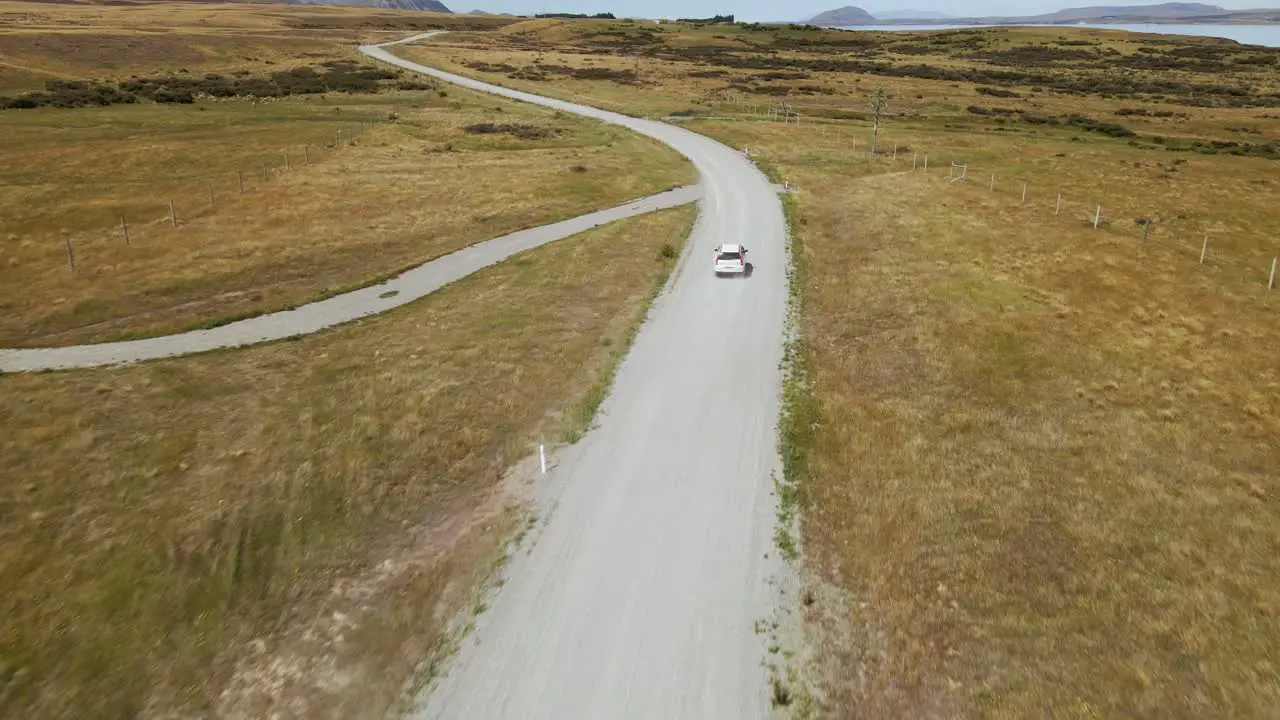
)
(730, 255)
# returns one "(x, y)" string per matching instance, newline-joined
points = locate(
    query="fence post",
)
(306, 154)
(124, 226)
(71, 256)
(212, 204)
(173, 214)
(286, 160)
(926, 163)
(992, 186)
(240, 177)
(913, 160)
(1097, 215)
(1271, 283)
(895, 151)
(1058, 208)
(1204, 248)
(1024, 192)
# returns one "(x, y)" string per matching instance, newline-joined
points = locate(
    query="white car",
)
(731, 260)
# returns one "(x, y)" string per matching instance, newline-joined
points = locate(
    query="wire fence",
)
(1112, 216)
(203, 196)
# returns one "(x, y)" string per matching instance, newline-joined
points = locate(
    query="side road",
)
(638, 596)
(312, 317)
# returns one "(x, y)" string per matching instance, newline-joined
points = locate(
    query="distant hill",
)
(912, 15)
(1171, 12)
(422, 5)
(848, 15)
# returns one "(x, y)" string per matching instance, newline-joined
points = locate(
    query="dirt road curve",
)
(313, 317)
(639, 596)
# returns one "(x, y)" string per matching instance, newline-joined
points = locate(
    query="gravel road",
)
(312, 317)
(639, 595)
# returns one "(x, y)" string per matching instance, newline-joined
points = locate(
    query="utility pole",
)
(878, 105)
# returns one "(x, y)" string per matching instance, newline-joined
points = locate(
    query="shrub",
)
(1087, 123)
(996, 92)
(520, 130)
(180, 97)
(979, 110)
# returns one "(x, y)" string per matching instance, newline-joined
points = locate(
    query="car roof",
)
(730, 248)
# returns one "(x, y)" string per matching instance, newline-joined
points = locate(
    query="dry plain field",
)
(285, 528)
(350, 174)
(1036, 461)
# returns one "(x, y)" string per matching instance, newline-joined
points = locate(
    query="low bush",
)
(1087, 123)
(519, 130)
(1148, 113)
(335, 76)
(996, 92)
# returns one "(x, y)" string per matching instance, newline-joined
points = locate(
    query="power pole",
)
(878, 105)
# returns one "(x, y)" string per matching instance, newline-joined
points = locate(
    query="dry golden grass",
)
(39, 41)
(407, 192)
(158, 519)
(1042, 464)
(1036, 457)
(1037, 461)
(666, 82)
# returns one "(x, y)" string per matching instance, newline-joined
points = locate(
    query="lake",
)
(1268, 35)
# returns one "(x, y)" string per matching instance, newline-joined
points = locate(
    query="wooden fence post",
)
(240, 177)
(71, 256)
(1058, 208)
(173, 214)
(1097, 215)
(124, 226)
(1204, 249)
(1024, 192)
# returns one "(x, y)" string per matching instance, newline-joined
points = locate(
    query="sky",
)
(774, 10)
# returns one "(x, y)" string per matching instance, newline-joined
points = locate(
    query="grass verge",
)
(228, 532)
(582, 416)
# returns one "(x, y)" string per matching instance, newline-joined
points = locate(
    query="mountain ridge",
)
(1163, 13)
(420, 5)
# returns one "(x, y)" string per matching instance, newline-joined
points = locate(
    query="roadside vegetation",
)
(188, 534)
(1034, 460)
(291, 176)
